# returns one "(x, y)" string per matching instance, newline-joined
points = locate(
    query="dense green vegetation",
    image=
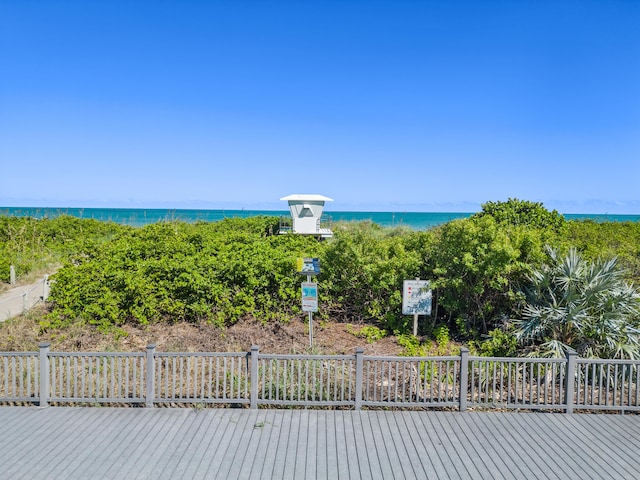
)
(32, 245)
(483, 270)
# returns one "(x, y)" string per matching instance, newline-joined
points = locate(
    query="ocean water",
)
(139, 217)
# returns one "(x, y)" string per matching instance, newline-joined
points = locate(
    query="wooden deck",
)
(177, 443)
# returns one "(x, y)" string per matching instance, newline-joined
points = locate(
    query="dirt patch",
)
(23, 334)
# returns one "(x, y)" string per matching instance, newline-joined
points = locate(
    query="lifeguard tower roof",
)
(306, 210)
(309, 197)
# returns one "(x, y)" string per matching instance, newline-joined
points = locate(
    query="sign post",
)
(309, 267)
(416, 300)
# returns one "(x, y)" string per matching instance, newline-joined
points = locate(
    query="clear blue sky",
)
(396, 105)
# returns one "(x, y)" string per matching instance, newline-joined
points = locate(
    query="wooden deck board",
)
(608, 452)
(433, 448)
(132, 443)
(476, 452)
(488, 435)
(549, 441)
(525, 445)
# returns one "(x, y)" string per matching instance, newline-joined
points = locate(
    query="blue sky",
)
(398, 105)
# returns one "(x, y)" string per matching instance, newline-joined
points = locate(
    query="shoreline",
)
(144, 216)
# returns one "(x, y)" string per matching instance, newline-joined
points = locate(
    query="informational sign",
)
(416, 297)
(309, 297)
(308, 266)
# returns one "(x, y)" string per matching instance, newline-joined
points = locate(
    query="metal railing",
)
(517, 383)
(411, 381)
(327, 381)
(96, 377)
(19, 377)
(607, 384)
(200, 378)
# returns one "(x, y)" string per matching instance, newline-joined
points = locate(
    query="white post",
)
(12, 275)
(45, 288)
(24, 302)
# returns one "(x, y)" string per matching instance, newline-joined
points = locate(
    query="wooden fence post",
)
(570, 380)
(44, 374)
(359, 377)
(464, 378)
(254, 377)
(45, 288)
(151, 371)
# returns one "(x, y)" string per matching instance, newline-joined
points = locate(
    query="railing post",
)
(359, 377)
(12, 275)
(570, 379)
(44, 374)
(254, 377)
(45, 288)
(151, 374)
(464, 378)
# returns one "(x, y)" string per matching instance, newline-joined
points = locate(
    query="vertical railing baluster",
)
(20, 374)
(210, 377)
(202, 376)
(592, 387)
(29, 367)
(396, 376)
(570, 380)
(622, 384)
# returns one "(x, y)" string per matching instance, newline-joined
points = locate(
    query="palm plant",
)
(586, 306)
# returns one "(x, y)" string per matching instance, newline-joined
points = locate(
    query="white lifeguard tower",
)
(306, 211)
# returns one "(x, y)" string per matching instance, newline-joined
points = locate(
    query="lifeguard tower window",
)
(306, 212)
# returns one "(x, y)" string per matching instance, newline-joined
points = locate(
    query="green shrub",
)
(498, 344)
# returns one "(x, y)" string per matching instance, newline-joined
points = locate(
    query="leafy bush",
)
(183, 272)
(586, 306)
(606, 239)
(363, 271)
(499, 343)
(476, 266)
(369, 332)
(522, 212)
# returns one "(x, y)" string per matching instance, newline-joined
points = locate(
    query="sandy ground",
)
(17, 300)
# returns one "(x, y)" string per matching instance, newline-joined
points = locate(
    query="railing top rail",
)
(96, 354)
(583, 361)
(518, 360)
(276, 356)
(18, 354)
(201, 354)
(411, 359)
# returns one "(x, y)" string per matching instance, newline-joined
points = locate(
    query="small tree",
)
(522, 212)
(573, 303)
